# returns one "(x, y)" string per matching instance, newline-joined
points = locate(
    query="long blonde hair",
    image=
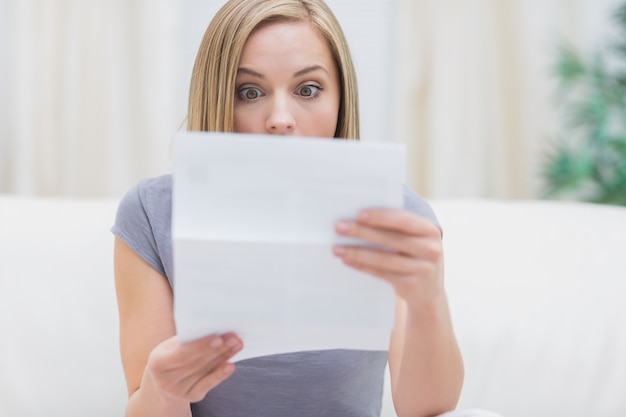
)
(211, 95)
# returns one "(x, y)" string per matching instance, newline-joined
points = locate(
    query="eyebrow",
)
(309, 69)
(251, 72)
(300, 73)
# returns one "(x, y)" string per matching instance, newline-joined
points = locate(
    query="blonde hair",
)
(212, 90)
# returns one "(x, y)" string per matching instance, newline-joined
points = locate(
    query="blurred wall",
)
(92, 92)
(475, 89)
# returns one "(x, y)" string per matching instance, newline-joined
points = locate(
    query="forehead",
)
(295, 39)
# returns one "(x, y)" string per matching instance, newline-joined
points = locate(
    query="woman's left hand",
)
(413, 265)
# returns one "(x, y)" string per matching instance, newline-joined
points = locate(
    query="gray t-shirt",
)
(317, 383)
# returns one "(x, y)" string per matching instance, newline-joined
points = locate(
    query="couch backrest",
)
(536, 291)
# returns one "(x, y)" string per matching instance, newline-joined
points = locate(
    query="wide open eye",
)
(309, 90)
(249, 93)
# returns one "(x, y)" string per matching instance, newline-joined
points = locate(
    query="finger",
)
(428, 247)
(230, 346)
(210, 367)
(401, 221)
(214, 355)
(407, 286)
(391, 263)
(376, 272)
(172, 362)
(189, 376)
(388, 239)
(171, 355)
(209, 381)
(422, 269)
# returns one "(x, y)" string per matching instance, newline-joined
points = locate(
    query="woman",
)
(282, 67)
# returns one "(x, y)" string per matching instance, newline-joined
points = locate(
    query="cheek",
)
(320, 122)
(331, 123)
(332, 115)
(325, 121)
(244, 121)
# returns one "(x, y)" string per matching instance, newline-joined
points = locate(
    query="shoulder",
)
(147, 197)
(143, 220)
(417, 204)
(152, 190)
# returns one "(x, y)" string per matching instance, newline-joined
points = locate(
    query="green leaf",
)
(590, 115)
(619, 17)
(565, 169)
(569, 67)
(589, 160)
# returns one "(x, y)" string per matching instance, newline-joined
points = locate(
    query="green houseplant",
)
(587, 161)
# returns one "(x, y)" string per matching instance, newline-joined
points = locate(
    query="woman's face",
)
(287, 83)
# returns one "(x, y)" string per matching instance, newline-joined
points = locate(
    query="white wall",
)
(92, 92)
(3, 90)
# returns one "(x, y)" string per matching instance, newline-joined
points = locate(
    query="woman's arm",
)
(424, 359)
(163, 376)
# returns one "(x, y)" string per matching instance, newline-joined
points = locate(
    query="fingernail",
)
(342, 227)
(216, 342)
(228, 369)
(233, 344)
(339, 250)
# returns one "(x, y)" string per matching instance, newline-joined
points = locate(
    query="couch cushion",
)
(58, 315)
(537, 294)
(535, 289)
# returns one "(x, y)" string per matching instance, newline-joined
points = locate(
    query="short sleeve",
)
(417, 204)
(133, 225)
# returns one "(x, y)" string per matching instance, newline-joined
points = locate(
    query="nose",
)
(280, 120)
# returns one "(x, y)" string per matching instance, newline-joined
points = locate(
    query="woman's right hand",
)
(163, 376)
(189, 371)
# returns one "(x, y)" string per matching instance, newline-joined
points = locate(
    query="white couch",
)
(536, 289)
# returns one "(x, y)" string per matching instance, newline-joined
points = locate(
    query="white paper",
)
(253, 230)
